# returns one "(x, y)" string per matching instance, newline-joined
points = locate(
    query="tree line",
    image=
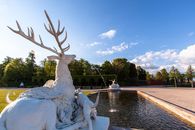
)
(174, 77)
(13, 71)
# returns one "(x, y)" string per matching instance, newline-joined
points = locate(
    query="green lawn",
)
(14, 94)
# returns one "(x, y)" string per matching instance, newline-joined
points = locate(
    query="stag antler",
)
(31, 36)
(56, 35)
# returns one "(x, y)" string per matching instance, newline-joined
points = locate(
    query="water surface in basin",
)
(129, 110)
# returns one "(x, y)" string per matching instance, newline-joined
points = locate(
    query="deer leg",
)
(87, 115)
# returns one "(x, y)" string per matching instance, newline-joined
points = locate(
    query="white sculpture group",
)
(114, 86)
(56, 105)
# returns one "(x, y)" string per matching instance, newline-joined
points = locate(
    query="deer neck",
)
(63, 79)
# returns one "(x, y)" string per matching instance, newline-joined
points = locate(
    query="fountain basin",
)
(128, 109)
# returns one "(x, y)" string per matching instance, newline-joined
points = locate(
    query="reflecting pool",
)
(129, 110)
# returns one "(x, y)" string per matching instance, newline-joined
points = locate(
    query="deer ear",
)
(74, 56)
(53, 58)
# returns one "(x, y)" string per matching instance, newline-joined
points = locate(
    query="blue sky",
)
(155, 34)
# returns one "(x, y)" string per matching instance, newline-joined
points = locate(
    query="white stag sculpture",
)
(54, 106)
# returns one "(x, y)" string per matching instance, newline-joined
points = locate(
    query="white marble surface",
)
(101, 123)
(33, 111)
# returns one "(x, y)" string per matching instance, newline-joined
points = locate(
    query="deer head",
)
(63, 77)
(55, 33)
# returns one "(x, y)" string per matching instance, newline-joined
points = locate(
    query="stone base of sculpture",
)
(40, 113)
(101, 123)
(114, 86)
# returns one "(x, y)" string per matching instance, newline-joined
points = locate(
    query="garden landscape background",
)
(13, 71)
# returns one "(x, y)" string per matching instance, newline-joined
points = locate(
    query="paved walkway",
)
(183, 97)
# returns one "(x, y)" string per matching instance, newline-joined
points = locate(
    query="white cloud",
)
(118, 48)
(155, 60)
(94, 44)
(109, 34)
(105, 52)
(187, 56)
(151, 55)
(133, 43)
(152, 60)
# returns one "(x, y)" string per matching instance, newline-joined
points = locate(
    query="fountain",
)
(93, 67)
(113, 97)
(56, 105)
(114, 86)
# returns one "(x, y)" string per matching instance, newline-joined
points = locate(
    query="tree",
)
(182, 78)
(29, 67)
(132, 71)
(76, 68)
(159, 76)
(14, 72)
(1, 71)
(96, 70)
(148, 76)
(6, 61)
(49, 68)
(178, 75)
(39, 76)
(86, 67)
(174, 75)
(121, 69)
(141, 73)
(107, 68)
(189, 75)
(165, 75)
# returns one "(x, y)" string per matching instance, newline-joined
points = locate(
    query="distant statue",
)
(21, 85)
(114, 85)
(54, 106)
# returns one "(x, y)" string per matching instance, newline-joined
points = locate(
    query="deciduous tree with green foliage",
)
(159, 76)
(76, 68)
(86, 67)
(6, 61)
(148, 76)
(165, 75)
(141, 73)
(174, 75)
(107, 68)
(121, 69)
(189, 75)
(132, 71)
(14, 72)
(49, 68)
(29, 67)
